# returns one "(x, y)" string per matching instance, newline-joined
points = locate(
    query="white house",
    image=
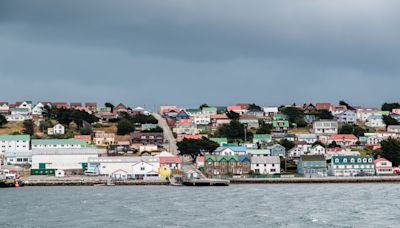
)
(14, 143)
(270, 111)
(18, 117)
(58, 129)
(25, 105)
(202, 119)
(364, 113)
(297, 151)
(4, 108)
(317, 150)
(309, 138)
(62, 158)
(393, 128)
(375, 121)
(348, 117)
(383, 167)
(266, 165)
(39, 108)
(325, 127)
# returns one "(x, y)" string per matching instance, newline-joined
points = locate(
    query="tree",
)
(390, 106)
(156, 129)
(390, 149)
(287, 144)
(325, 115)
(254, 107)
(333, 145)
(352, 129)
(203, 106)
(295, 116)
(196, 147)
(233, 131)
(28, 127)
(318, 143)
(390, 120)
(125, 127)
(109, 105)
(233, 115)
(264, 128)
(3, 120)
(346, 104)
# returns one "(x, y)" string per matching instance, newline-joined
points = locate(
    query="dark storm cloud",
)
(190, 52)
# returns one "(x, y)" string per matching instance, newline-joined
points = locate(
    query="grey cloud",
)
(176, 47)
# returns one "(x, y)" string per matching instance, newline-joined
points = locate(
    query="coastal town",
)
(62, 141)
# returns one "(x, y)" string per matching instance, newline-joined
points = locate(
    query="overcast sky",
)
(191, 52)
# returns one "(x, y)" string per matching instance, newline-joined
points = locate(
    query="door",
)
(42, 165)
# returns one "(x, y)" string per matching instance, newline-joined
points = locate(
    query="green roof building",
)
(59, 143)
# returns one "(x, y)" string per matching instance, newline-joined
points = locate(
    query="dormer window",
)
(364, 160)
(345, 160)
(352, 160)
(337, 160)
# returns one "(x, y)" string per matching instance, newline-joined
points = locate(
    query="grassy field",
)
(11, 127)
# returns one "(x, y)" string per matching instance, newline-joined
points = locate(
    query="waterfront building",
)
(383, 167)
(139, 168)
(71, 160)
(219, 165)
(351, 165)
(312, 165)
(265, 164)
(18, 157)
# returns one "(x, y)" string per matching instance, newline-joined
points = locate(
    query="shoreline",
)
(78, 181)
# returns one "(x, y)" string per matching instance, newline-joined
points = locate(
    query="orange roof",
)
(172, 159)
(320, 106)
(343, 137)
(200, 159)
(219, 116)
(234, 108)
(192, 136)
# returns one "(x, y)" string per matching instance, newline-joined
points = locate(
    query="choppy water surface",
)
(329, 205)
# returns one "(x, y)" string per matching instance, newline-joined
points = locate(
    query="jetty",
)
(205, 182)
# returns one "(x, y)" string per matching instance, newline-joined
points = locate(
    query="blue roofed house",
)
(312, 165)
(278, 150)
(182, 115)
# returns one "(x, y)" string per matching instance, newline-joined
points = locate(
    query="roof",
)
(262, 136)
(343, 137)
(124, 159)
(234, 148)
(266, 160)
(380, 160)
(200, 159)
(90, 104)
(173, 159)
(219, 116)
(222, 158)
(258, 152)
(219, 140)
(65, 151)
(312, 157)
(81, 142)
(320, 106)
(15, 137)
(234, 108)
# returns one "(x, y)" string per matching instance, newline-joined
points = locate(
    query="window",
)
(142, 168)
(352, 160)
(344, 160)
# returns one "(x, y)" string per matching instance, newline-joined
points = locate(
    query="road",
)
(187, 165)
(168, 136)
